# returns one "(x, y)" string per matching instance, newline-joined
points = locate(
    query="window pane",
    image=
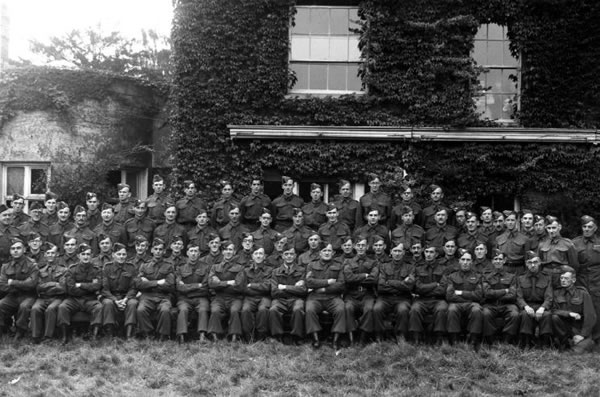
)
(302, 75)
(495, 53)
(339, 21)
(354, 82)
(481, 33)
(507, 84)
(495, 32)
(480, 53)
(319, 20)
(319, 48)
(509, 60)
(15, 180)
(494, 79)
(338, 49)
(39, 180)
(353, 18)
(300, 47)
(302, 21)
(353, 51)
(318, 77)
(337, 77)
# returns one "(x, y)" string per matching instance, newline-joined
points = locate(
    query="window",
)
(499, 79)
(28, 180)
(137, 179)
(324, 50)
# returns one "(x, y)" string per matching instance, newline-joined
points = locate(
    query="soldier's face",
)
(450, 248)
(228, 251)
(589, 229)
(499, 223)
(379, 247)
(92, 203)
(486, 216)
(158, 251)
(158, 187)
(527, 220)
(105, 245)
(345, 190)
(120, 256)
(398, 252)
(373, 217)
(6, 217)
(316, 195)
(80, 218)
(540, 227)
(280, 244)
(416, 250)
(36, 215)
(498, 262)
(265, 220)
(289, 256)
(460, 218)
(298, 219)
(441, 217)
(553, 229)
(471, 223)
(85, 256)
(124, 194)
(227, 191)
(51, 254)
(480, 251)
(50, 205)
(107, 215)
(17, 250)
(18, 205)
(437, 195)
(177, 246)
(510, 222)
(332, 215)
(408, 218)
(287, 187)
(533, 265)
(465, 262)
(202, 219)
(190, 190)
(255, 187)
(430, 254)
(170, 214)
(314, 241)
(214, 245)
(140, 210)
(327, 252)
(258, 256)
(374, 185)
(361, 247)
(193, 253)
(64, 214)
(35, 244)
(70, 246)
(347, 247)
(248, 243)
(567, 279)
(234, 215)
(141, 248)
(407, 195)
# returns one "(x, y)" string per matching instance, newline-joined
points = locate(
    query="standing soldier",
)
(376, 198)
(51, 289)
(124, 208)
(199, 234)
(109, 227)
(396, 220)
(139, 225)
(234, 230)
(263, 236)
(314, 212)
(219, 216)
(84, 281)
(105, 251)
(18, 280)
(513, 244)
(407, 232)
(556, 251)
(58, 229)
(487, 223)
(141, 255)
(283, 206)
(350, 209)
(19, 217)
(373, 227)
(118, 292)
(50, 213)
(251, 206)
(429, 212)
(190, 206)
(313, 252)
(93, 214)
(288, 290)
(156, 282)
(472, 236)
(440, 232)
(158, 201)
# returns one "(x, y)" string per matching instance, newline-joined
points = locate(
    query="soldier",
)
(124, 208)
(347, 251)
(234, 229)
(481, 263)
(190, 206)
(288, 290)
(105, 251)
(139, 225)
(70, 255)
(35, 223)
(298, 234)
(407, 232)
(198, 235)
(396, 219)
(50, 213)
(93, 214)
(109, 227)
(192, 293)
(556, 251)
(333, 231)
(51, 289)
(141, 255)
(449, 259)
(325, 281)
(283, 206)
(219, 216)
(379, 250)
(7, 232)
(214, 250)
(464, 292)
(513, 244)
(500, 296)
(440, 232)
(58, 229)
(257, 297)
(251, 206)
(313, 253)
(264, 235)
(498, 219)
(158, 201)
(84, 281)
(228, 280)
(276, 258)
(80, 231)
(19, 217)
(487, 223)
(527, 223)
(169, 229)
(350, 209)
(176, 256)
(34, 247)
(373, 227)
(156, 282)
(244, 255)
(429, 212)
(18, 280)
(460, 217)
(534, 299)
(539, 232)
(376, 197)
(472, 235)
(394, 289)
(430, 296)
(118, 292)
(361, 274)
(588, 254)
(573, 314)
(314, 212)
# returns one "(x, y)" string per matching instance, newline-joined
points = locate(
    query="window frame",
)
(27, 166)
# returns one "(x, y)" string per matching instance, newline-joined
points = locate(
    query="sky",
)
(41, 19)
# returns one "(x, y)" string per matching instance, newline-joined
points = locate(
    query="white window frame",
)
(141, 181)
(309, 61)
(26, 182)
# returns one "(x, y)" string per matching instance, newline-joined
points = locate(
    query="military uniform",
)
(219, 216)
(335, 234)
(32, 226)
(360, 293)
(465, 306)
(169, 231)
(114, 230)
(469, 240)
(555, 253)
(83, 235)
(396, 215)
(49, 218)
(192, 294)
(288, 300)
(408, 235)
(499, 302)
(588, 254)
(93, 218)
(157, 204)
(430, 290)
(251, 208)
(154, 297)
(117, 284)
(51, 289)
(394, 289)
(317, 274)
(83, 298)
(139, 260)
(380, 200)
(124, 211)
(437, 235)
(350, 211)
(187, 211)
(315, 214)
(298, 236)
(513, 244)
(264, 237)
(20, 293)
(228, 298)
(282, 209)
(534, 290)
(138, 227)
(257, 300)
(371, 232)
(428, 214)
(57, 231)
(199, 236)
(307, 257)
(233, 232)
(7, 233)
(577, 300)
(20, 218)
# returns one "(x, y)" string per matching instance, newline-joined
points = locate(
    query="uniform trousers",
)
(110, 312)
(510, 313)
(43, 316)
(401, 308)
(359, 305)
(80, 304)
(282, 306)
(528, 323)
(149, 304)
(316, 304)
(470, 312)
(201, 305)
(255, 315)
(19, 304)
(421, 308)
(222, 306)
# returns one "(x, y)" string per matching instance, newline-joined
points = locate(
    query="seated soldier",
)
(118, 292)
(347, 250)
(141, 255)
(84, 281)
(228, 280)
(257, 298)
(481, 263)
(573, 314)
(408, 232)
(288, 290)
(156, 282)
(325, 281)
(51, 289)
(463, 293)
(373, 228)
(430, 296)
(534, 299)
(18, 280)
(192, 293)
(500, 295)
(360, 275)
(394, 289)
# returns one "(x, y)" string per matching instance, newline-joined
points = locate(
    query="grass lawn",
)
(149, 368)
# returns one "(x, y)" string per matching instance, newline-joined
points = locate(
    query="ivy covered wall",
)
(231, 67)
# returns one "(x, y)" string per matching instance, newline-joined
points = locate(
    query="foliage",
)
(94, 49)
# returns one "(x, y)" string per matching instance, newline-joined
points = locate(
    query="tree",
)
(93, 49)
